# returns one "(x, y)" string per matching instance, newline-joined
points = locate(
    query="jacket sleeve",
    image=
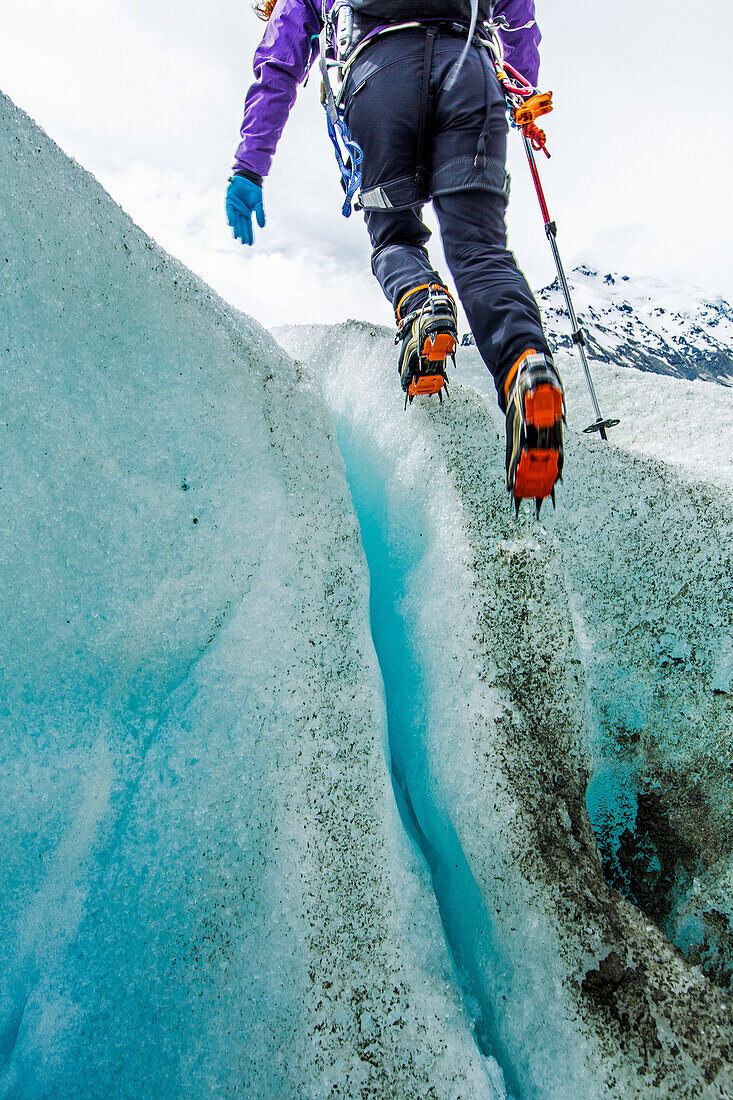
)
(520, 42)
(281, 62)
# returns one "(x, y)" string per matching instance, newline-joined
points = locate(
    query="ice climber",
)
(428, 113)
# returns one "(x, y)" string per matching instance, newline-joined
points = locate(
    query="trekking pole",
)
(526, 106)
(579, 339)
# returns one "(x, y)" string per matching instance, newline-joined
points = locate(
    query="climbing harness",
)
(336, 56)
(349, 154)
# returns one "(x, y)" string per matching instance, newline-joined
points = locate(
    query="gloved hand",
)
(243, 198)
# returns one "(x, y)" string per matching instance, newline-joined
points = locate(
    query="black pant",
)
(469, 191)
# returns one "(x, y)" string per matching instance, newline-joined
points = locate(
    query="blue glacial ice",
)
(492, 687)
(206, 888)
(294, 767)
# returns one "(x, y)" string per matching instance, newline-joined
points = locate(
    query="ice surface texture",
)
(205, 886)
(493, 728)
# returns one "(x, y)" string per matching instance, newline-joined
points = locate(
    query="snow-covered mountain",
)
(665, 328)
(300, 729)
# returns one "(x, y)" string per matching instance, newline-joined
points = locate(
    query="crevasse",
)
(397, 544)
(497, 643)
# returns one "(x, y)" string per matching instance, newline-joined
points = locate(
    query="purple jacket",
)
(290, 45)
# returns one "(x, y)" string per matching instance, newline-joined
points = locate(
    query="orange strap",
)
(414, 290)
(513, 370)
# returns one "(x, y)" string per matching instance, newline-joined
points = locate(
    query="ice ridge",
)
(206, 888)
(493, 682)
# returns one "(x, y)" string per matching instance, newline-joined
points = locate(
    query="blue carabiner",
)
(351, 172)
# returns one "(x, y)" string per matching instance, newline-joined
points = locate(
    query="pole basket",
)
(600, 427)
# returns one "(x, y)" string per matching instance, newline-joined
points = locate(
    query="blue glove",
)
(244, 197)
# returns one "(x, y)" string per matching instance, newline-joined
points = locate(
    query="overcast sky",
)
(147, 94)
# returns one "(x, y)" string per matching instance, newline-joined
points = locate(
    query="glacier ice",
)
(206, 888)
(493, 726)
(230, 828)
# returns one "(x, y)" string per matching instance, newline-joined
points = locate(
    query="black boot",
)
(534, 451)
(429, 335)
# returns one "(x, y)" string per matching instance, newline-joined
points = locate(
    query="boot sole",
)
(426, 384)
(539, 463)
(435, 350)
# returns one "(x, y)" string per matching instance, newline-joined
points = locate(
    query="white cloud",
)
(148, 96)
(289, 280)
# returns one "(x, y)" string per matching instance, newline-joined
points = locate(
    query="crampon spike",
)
(516, 507)
(425, 384)
(552, 497)
(538, 505)
(437, 348)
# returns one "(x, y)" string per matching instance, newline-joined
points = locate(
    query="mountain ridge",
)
(654, 326)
